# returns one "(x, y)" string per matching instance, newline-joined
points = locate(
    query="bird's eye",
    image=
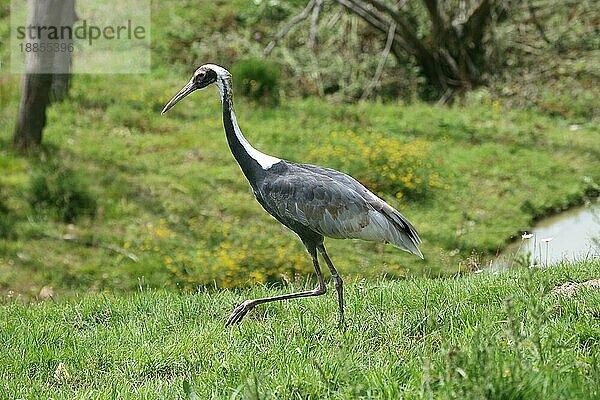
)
(200, 76)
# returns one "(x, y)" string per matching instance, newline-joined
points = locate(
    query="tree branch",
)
(314, 23)
(384, 55)
(438, 23)
(404, 24)
(284, 31)
(445, 97)
(407, 33)
(536, 22)
(375, 20)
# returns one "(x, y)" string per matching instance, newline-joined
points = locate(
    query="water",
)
(571, 235)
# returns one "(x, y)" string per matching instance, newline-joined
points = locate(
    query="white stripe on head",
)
(221, 72)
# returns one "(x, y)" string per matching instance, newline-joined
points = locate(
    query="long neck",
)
(252, 162)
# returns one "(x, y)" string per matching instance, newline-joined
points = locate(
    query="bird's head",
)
(202, 77)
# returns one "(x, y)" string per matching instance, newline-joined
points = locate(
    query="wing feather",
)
(335, 205)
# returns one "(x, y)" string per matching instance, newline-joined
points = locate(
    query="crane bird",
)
(312, 201)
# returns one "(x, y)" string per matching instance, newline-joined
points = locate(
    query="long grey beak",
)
(187, 89)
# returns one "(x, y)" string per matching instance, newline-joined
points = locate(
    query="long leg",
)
(240, 311)
(337, 282)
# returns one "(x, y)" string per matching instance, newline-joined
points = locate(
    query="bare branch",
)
(400, 4)
(284, 31)
(450, 61)
(314, 23)
(536, 22)
(413, 44)
(438, 23)
(445, 97)
(334, 19)
(384, 55)
(384, 7)
(403, 23)
(90, 242)
(375, 20)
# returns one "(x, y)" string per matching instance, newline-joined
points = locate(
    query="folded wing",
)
(335, 205)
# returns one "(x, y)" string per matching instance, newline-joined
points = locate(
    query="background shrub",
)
(6, 218)
(225, 259)
(257, 79)
(61, 191)
(386, 165)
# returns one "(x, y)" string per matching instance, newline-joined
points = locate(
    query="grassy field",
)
(164, 202)
(504, 336)
(127, 239)
(173, 207)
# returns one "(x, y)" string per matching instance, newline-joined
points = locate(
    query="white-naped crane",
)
(312, 201)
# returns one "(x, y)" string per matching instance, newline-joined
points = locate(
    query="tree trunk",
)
(40, 69)
(451, 57)
(62, 60)
(32, 110)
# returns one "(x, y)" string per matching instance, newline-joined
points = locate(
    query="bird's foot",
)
(239, 312)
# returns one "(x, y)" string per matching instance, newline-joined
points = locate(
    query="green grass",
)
(173, 213)
(167, 187)
(502, 336)
(169, 194)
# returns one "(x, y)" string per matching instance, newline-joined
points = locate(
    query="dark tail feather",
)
(407, 234)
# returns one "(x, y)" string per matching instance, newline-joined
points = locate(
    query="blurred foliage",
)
(548, 59)
(386, 165)
(257, 80)
(222, 259)
(61, 191)
(6, 218)
(8, 90)
(554, 71)
(515, 150)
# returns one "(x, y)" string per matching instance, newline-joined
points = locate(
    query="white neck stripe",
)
(264, 160)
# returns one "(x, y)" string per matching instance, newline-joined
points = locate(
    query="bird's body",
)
(317, 202)
(314, 202)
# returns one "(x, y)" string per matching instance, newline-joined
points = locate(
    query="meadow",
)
(128, 237)
(478, 336)
(171, 207)
(119, 193)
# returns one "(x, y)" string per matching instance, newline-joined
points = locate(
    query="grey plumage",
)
(315, 202)
(332, 204)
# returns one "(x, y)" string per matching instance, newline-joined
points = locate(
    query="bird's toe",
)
(239, 312)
